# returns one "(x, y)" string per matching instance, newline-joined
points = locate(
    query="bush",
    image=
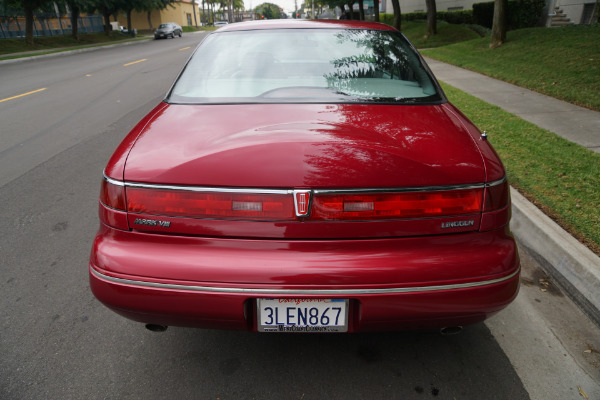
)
(483, 14)
(525, 13)
(414, 16)
(452, 17)
(456, 17)
(521, 14)
(387, 19)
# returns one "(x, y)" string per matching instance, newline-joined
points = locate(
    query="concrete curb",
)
(85, 50)
(572, 265)
(69, 52)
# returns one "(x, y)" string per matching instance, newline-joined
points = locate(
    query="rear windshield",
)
(304, 65)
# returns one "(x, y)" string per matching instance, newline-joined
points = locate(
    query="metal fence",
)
(14, 26)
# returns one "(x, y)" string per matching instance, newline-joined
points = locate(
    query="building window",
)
(189, 19)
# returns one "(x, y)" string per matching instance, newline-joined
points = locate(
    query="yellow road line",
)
(21, 95)
(185, 48)
(135, 62)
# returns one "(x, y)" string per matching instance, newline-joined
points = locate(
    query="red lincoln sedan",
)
(305, 176)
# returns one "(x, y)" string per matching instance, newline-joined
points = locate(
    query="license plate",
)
(302, 315)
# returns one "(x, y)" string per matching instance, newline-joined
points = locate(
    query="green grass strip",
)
(447, 34)
(560, 177)
(560, 62)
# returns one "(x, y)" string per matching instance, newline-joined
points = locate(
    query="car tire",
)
(180, 34)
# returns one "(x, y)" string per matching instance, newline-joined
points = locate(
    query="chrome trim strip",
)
(292, 292)
(317, 191)
(401, 190)
(208, 189)
(496, 183)
(112, 181)
(198, 188)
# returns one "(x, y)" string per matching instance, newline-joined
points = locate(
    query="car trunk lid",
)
(328, 152)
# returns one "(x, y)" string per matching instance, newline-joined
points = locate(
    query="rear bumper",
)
(168, 305)
(391, 284)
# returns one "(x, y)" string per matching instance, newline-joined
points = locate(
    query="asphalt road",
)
(58, 342)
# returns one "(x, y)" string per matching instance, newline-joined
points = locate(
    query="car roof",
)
(303, 24)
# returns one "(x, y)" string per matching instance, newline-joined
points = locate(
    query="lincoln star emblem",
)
(301, 202)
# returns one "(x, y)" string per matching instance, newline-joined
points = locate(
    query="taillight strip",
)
(317, 204)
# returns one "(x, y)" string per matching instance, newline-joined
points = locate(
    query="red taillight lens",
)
(112, 195)
(496, 197)
(397, 205)
(178, 203)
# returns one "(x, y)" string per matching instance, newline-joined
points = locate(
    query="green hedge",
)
(456, 17)
(387, 19)
(452, 17)
(521, 14)
(419, 15)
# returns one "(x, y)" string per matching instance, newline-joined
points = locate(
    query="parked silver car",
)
(169, 29)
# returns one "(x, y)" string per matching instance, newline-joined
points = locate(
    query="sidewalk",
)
(571, 264)
(572, 122)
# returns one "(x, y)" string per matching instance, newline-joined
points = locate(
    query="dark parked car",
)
(170, 29)
(311, 178)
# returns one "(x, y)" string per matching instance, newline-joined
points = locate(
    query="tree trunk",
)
(106, 15)
(28, 23)
(397, 14)
(376, 10)
(74, 20)
(129, 27)
(150, 20)
(499, 24)
(194, 9)
(431, 18)
(361, 10)
(350, 12)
